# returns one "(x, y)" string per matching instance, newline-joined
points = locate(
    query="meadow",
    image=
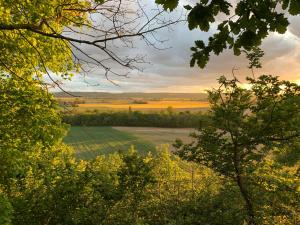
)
(159, 136)
(89, 142)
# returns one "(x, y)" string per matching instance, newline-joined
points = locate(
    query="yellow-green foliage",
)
(281, 186)
(25, 52)
(5, 209)
(250, 140)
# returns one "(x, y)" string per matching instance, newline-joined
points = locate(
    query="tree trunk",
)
(248, 203)
(243, 190)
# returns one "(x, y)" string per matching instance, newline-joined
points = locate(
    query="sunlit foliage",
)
(248, 127)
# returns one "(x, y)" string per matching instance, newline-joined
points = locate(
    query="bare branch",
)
(109, 26)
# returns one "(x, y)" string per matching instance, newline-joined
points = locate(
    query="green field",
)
(89, 142)
(160, 136)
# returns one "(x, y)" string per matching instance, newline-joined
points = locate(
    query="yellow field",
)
(149, 105)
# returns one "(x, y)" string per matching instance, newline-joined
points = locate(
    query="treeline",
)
(167, 118)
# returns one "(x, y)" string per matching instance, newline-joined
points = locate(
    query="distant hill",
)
(135, 95)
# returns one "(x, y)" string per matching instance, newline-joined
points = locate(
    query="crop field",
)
(89, 142)
(138, 101)
(187, 104)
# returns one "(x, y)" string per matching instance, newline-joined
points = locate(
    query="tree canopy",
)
(246, 24)
(64, 37)
(247, 129)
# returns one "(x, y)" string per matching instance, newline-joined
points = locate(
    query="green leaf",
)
(230, 40)
(285, 4)
(168, 4)
(200, 44)
(192, 62)
(236, 51)
(188, 7)
(294, 7)
(282, 26)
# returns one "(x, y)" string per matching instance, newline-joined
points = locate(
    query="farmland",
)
(159, 136)
(123, 120)
(146, 102)
(151, 105)
(89, 142)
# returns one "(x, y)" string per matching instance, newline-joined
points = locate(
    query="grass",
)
(159, 136)
(90, 142)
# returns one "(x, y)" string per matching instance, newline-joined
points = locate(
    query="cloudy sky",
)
(168, 70)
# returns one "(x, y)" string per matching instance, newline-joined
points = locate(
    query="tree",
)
(62, 37)
(246, 127)
(28, 121)
(32, 155)
(5, 209)
(248, 22)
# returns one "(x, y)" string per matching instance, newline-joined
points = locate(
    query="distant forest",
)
(167, 118)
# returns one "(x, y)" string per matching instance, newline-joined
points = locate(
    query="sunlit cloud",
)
(169, 69)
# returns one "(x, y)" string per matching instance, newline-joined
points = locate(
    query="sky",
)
(169, 71)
